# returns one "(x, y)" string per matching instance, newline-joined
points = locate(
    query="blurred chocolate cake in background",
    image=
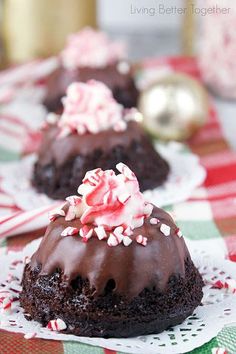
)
(93, 131)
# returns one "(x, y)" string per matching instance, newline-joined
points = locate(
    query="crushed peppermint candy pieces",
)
(56, 325)
(165, 229)
(127, 240)
(113, 240)
(86, 232)
(70, 231)
(100, 232)
(91, 108)
(154, 221)
(110, 207)
(142, 240)
(229, 285)
(55, 214)
(178, 233)
(92, 48)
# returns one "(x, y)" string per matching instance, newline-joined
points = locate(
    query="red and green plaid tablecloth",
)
(209, 216)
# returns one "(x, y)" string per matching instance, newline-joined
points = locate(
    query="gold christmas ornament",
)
(174, 107)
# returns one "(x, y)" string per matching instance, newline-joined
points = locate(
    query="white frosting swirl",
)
(90, 48)
(90, 108)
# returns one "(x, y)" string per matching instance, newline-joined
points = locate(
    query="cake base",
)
(122, 85)
(47, 297)
(59, 181)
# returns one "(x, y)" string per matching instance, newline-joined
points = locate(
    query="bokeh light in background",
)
(33, 28)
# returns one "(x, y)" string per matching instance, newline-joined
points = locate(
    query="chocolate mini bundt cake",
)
(93, 131)
(110, 264)
(88, 55)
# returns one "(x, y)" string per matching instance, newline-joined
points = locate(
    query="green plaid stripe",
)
(206, 348)
(199, 230)
(7, 155)
(79, 348)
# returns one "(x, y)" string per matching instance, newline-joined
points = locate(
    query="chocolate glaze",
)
(60, 150)
(122, 85)
(133, 268)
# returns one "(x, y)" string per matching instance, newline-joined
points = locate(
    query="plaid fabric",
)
(209, 216)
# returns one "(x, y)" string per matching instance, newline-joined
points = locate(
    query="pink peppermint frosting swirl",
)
(113, 200)
(90, 108)
(110, 207)
(90, 48)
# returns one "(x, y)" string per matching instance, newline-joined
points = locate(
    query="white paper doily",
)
(218, 309)
(185, 175)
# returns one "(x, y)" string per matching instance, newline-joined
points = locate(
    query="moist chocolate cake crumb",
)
(46, 297)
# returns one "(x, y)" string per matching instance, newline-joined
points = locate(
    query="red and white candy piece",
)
(179, 233)
(55, 214)
(69, 231)
(56, 325)
(86, 232)
(154, 221)
(165, 229)
(74, 210)
(74, 200)
(100, 232)
(230, 285)
(219, 350)
(114, 240)
(128, 231)
(118, 231)
(142, 240)
(148, 208)
(30, 335)
(127, 241)
(7, 305)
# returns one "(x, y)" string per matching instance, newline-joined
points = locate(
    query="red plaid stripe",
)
(16, 344)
